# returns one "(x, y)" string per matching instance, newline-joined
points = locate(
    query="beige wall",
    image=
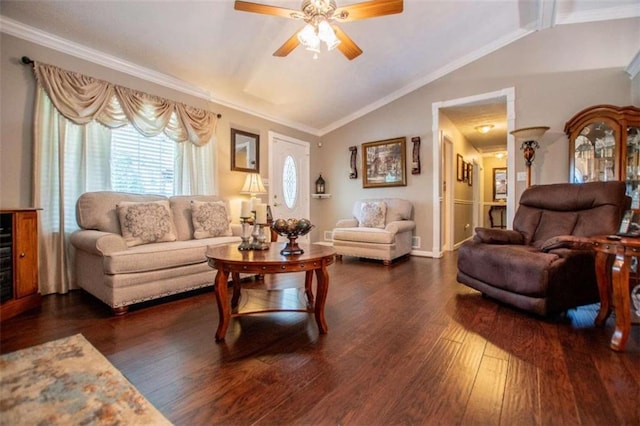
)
(548, 91)
(17, 88)
(551, 84)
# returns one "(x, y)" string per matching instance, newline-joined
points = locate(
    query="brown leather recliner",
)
(545, 265)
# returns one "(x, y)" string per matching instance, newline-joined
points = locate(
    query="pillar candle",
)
(261, 213)
(245, 209)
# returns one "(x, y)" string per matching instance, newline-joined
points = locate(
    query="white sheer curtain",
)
(72, 142)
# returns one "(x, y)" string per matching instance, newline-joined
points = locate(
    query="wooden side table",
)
(227, 259)
(613, 260)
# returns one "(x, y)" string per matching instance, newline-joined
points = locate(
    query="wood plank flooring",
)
(407, 345)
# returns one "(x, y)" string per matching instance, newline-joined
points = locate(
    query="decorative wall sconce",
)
(354, 170)
(415, 162)
(320, 185)
(529, 138)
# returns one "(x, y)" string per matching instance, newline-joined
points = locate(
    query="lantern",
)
(320, 185)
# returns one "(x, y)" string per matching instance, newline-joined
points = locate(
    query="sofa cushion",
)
(364, 235)
(146, 222)
(181, 210)
(153, 257)
(97, 210)
(210, 219)
(372, 214)
(515, 268)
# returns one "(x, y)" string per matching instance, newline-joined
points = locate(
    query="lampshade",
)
(253, 185)
(529, 133)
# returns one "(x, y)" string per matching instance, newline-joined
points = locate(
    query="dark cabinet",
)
(18, 261)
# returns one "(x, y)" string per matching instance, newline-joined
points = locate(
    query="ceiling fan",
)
(319, 16)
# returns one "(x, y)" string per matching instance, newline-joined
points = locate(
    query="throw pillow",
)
(372, 214)
(146, 222)
(210, 219)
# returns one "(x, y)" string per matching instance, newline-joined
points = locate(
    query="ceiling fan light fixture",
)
(309, 39)
(328, 35)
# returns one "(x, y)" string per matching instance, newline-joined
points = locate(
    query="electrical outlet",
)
(415, 242)
(328, 235)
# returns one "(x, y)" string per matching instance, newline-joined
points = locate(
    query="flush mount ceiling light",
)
(319, 16)
(484, 128)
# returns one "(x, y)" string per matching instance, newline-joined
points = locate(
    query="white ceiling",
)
(208, 49)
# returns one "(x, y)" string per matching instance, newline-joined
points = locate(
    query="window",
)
(142, 164)
(290, 182)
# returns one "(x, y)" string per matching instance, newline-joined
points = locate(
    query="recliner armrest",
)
(347, 223)
(498, 236)
(397, 226)
(98, 242)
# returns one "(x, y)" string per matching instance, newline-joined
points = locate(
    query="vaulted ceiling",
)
(209, 49)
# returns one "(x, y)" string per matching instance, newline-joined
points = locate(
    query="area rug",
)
(68, 381)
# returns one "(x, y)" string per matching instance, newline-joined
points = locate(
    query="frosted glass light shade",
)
(529, 133)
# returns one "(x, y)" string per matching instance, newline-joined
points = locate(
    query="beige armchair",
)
(380, 229)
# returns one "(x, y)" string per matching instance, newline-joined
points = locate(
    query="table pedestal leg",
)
(235, 276)
(620, 283)
(322, 275)
(224, 312)
(308, 289)
(604, 286)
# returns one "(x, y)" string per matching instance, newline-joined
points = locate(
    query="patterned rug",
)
(68, 381)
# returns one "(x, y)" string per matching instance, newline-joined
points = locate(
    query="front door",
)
(288, 177)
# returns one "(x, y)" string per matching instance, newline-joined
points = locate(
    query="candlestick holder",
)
(259, 239)
(245, 235)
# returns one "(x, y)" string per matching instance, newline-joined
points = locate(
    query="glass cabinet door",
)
(595, 154)
(604, 145)
(633, 159)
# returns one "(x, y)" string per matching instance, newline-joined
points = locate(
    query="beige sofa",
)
(380, 229)
(155, 253)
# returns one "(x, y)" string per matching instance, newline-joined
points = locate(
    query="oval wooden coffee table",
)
(227, 259)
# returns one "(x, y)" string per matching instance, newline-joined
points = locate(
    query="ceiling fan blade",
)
(368, 9)
(288, 46)
(264, 9)
(347, 46)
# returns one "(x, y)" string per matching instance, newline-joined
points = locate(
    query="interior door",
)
(288, 178)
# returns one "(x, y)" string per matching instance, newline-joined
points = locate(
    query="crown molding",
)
(42, 38)
(621, 12)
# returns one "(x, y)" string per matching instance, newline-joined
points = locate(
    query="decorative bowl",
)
(292, 229)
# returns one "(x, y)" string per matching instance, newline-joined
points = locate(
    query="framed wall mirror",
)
(245, 151)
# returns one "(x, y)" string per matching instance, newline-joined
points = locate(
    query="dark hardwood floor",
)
(407, 344)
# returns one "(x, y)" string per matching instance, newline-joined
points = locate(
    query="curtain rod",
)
(28, 61)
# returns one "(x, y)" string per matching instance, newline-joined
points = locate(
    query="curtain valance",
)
(81, 99)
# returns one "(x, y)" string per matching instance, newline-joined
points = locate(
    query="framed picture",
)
(465, 171)
(470, 174)
(384, 163)
(459, 168)
(499, 184)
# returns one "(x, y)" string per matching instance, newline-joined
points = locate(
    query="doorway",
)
(444, 227)
(289, 177)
